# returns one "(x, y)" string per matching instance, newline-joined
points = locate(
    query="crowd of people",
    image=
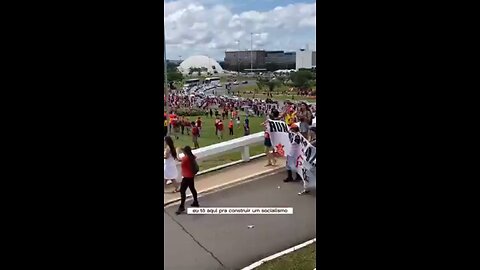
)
(182, 125)
(301, 120)
(208, 104)
(225, 111)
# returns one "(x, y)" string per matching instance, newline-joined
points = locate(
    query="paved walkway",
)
(226, 176)
(211, 242)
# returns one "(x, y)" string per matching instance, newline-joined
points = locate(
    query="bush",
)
(190, 112)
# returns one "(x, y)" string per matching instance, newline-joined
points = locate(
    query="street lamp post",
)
(251, 52)
(238, 58)
(166, 80)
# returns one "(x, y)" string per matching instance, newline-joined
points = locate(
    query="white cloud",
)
(210, 28)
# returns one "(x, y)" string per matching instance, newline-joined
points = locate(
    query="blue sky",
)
(209, 27)
(258, 5)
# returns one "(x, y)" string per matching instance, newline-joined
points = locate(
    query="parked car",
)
(245, 82)
(235, 83)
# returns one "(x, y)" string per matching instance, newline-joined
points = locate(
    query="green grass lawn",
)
(280, 97)
(229, 157)
(208, 137)
(276, 94)
(302, 259)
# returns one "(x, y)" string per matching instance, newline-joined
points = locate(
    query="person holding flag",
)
(293, 154)
(290, 116)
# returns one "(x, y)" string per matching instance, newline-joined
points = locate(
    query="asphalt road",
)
(213, 242)
(222, 91)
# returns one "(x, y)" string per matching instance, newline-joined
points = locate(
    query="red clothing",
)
(199, 123)
(220, 125)
(230, 124)
(187, 167)
(195, 131)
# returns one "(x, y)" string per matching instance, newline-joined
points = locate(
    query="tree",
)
(260, 85)
(271, 86)
(282, 79)
(301, 78)
(171, 66)
(262, 82)
(174, 75)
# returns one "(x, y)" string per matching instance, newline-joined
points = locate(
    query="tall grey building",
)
(280, 57)
(243, 59)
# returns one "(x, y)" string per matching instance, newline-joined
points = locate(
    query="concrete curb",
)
(279, 254)
(228, 184)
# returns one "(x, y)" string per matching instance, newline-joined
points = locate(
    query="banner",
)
(305, 155)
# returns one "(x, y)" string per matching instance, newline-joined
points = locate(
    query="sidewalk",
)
(226, 176)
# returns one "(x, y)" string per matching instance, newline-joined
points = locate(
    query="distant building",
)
(243, 59)
(280, 57)
(204, 63)
(306, 58)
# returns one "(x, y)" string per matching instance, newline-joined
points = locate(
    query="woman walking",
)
(189, 169)
(170, 172)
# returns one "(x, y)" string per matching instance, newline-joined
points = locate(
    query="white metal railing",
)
(242, 143)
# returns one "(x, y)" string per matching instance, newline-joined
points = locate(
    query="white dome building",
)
(200, 61)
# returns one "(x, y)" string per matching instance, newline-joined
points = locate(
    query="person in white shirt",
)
(293, 154)
(170, 172)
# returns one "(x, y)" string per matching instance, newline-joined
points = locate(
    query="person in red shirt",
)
(188, 162)
(217, 120)
(220, 129)
(199, 125)
(230, 126)
(195, 135)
